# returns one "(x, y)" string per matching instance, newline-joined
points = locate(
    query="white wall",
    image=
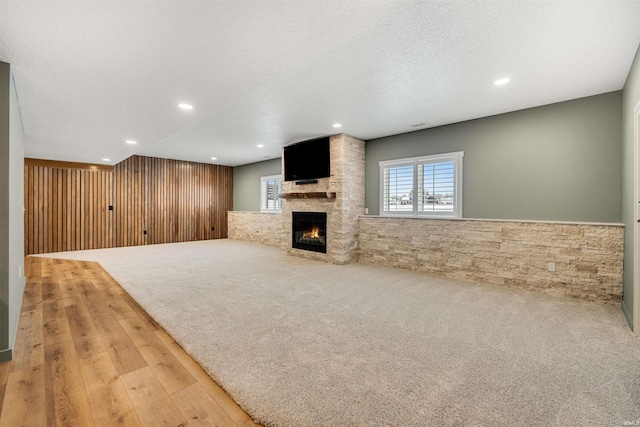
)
(630, 98)
(16, 214)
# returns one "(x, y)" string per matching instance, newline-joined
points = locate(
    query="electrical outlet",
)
(551, 266)
(145, 232)
(366, 211)
(20, 271)
(213, 229)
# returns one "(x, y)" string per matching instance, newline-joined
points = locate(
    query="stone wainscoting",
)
(588, 257)
(259, 227)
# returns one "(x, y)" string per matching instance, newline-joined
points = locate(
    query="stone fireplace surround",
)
(587, 257)
(342, 208)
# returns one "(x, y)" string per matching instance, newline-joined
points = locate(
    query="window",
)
(422, 186)
(270, 189)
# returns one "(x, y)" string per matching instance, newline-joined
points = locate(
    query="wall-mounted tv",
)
(307, 160)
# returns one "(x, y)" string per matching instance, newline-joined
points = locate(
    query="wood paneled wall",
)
(67, 205)
(174, 201)
(67, 209)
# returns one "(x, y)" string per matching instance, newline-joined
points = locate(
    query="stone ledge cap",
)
(607, 224)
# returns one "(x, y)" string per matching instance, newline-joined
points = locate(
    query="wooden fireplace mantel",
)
(309, 195)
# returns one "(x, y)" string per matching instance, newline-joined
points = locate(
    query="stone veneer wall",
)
(343, 212)
(265, 228)
(588, 257)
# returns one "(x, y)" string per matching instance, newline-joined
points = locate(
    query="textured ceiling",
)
(90, 75)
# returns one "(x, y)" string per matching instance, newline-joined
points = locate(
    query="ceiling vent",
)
(418, 125)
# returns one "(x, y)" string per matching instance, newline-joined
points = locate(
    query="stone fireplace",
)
(309, 231)
(339, 197)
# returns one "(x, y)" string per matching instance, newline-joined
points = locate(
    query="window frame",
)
(263, 182)
(454, 157)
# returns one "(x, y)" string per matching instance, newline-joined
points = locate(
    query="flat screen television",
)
(307, 160)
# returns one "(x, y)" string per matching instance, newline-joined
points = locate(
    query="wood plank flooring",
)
(87, 354)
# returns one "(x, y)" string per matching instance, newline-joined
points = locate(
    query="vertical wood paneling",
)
(58, 214)
(67, 208)
(174, 201)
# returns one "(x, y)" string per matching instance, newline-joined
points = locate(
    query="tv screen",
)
(307, 160)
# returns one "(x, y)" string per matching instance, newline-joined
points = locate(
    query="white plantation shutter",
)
(436, 187)
(422, 186)
(270, 189)
(397, 191)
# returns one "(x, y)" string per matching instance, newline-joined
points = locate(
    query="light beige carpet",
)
(302, 343)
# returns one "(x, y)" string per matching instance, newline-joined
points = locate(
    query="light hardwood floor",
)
(87, 354)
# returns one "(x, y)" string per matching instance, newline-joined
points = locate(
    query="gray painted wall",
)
(5, 97)
(246, 183)
(556, 162)
(630, 98)
(12, 280)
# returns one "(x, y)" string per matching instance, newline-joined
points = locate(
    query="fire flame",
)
(313, 234)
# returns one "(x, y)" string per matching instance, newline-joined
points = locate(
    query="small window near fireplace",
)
(310, 231)
(270, 189)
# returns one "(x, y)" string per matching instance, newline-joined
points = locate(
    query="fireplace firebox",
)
(310, 231)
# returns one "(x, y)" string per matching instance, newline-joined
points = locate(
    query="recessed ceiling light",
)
(185, 106)
(337, 125)
(130, 141)
(501, 82)
(106, 160)
(214, 158)
(260, 145)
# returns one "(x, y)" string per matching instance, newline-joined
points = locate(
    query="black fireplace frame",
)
(317, 217)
